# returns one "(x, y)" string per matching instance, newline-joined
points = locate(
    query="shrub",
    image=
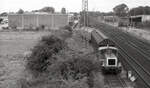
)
(1, 20)
(42, 53)
(63, 34)
(143, 25)
(68, 27)
(76, 68)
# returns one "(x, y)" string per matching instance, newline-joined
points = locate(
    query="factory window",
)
(111, 62)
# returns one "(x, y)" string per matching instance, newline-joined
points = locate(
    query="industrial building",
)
(140, 18)
(33, 21)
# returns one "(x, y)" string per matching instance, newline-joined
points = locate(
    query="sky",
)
(70, 5)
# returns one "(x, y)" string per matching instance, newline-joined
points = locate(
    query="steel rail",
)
(115, 79)
(141, 71)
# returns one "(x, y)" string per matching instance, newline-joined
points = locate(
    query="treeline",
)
(122, 10)
(141, 10)
(47, 9)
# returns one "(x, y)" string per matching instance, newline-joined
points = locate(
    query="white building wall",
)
(50, 21)
(145, 18)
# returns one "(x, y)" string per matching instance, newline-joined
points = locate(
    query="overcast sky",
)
(70, 5)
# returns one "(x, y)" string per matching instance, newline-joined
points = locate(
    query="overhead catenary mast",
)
(85, 17)
(85, 12)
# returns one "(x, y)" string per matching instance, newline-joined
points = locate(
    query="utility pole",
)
(85, 17)
(85, 12)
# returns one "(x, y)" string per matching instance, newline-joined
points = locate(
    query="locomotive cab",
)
(110, 63)
(109, 50)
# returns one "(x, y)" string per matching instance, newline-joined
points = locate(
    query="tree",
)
(20, 11)
(63, 10)
(140, 11)
(4, 14)
(121, 10)
(48, 9)
(1, 20)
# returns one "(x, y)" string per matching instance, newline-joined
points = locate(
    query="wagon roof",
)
(102, 39)
(107, 42)
(101, 34)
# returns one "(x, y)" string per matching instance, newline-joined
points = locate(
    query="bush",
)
(42, 53)
(1, 20)
(143, 25)
(62, 34)
(68, 27)
(76, 68)
(123, 24)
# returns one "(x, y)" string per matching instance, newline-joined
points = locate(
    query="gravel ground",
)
(79, 45)
(139, 33)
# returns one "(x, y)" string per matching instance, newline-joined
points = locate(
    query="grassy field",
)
(12, 43)
(12, 47)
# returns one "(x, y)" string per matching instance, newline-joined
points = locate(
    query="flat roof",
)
(138, 16)
(39, 14)
(107, 47)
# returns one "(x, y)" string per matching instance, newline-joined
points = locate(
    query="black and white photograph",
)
(75, 44)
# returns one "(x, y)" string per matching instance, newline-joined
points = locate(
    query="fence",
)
(49, 21)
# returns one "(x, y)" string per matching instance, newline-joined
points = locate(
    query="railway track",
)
(136, 66)
(114, 81)
(137, 58)
(142, 54)
(141, 45)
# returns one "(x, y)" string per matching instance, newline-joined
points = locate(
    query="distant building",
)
(36, 20)
(140, 18)
(110, 18)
